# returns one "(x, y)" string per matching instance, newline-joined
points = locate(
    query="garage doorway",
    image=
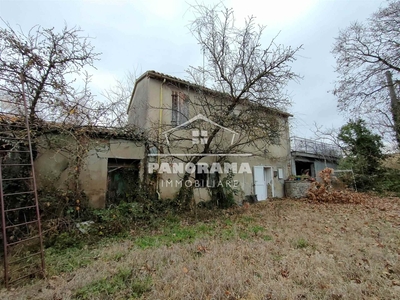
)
(302, 166)
(122, 180)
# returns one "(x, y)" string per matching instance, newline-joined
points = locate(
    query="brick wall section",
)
(296, 188)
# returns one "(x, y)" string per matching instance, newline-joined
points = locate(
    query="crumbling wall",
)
(296, 188)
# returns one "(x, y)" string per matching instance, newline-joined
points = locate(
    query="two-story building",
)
(197, 130)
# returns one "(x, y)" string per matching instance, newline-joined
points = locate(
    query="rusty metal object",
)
(21, 226)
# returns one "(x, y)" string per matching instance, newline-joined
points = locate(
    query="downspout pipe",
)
(159, 133)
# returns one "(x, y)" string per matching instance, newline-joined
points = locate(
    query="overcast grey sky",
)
(153, 35)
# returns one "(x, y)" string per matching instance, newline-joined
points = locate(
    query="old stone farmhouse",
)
(167, 124)
(172, 114)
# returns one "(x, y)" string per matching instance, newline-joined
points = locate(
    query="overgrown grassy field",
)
(281, 249)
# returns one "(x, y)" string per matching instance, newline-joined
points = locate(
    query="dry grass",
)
(282, 249)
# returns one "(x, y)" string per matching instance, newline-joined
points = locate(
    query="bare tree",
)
(236, 62)
(50, 64)
(246, 83)
(118, 98)
(250, 78)
(364, 53)
(52, 67)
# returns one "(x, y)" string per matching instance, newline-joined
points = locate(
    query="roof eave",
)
(161, 77)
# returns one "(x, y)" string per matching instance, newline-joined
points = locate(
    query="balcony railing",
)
(314, 147)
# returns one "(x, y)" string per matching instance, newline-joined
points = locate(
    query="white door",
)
(269, 181)
(260, 185)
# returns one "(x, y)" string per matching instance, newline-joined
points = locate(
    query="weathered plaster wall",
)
(55, 166)
(275, 156)
(94, 175)
(138, 111)
(246, 180)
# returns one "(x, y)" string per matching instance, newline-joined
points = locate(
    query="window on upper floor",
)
(180, 108)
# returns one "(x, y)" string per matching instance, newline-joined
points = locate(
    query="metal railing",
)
(314, 147)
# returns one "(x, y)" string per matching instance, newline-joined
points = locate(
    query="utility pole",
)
(394, 105)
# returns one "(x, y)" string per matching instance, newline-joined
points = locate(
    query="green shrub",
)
(388, 182)
(116, 219)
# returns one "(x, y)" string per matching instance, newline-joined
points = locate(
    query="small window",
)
(280, 173)
(201, 175)
(180, 108)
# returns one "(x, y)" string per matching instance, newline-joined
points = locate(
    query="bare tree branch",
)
(51, 64)
(363, 53)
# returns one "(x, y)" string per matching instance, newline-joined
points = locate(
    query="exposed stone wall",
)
(296, 188)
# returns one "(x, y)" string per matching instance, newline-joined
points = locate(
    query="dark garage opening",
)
(301, 166)
(122, 180)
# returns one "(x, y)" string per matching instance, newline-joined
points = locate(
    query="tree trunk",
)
(395, 107)
(185, 194)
